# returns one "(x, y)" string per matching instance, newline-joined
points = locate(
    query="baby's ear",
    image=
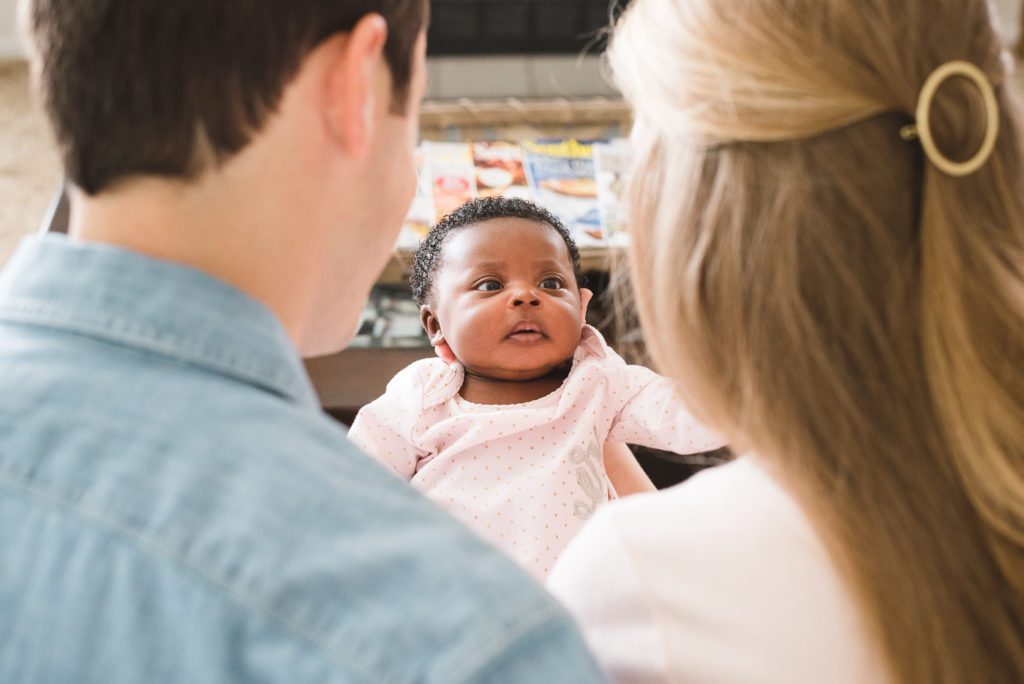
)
(585, 297)
(430, 323)
(433, 327)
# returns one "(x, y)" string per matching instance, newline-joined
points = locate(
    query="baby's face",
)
(505, 299)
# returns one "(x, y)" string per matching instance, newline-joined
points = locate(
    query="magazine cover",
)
(561, 176)
(611, 165)
(421, 213)
(499, 170)
(452, 177)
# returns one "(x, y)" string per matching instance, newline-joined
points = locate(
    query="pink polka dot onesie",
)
(524, 476)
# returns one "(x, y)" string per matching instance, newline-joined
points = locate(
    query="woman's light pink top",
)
(721, 579)
(524, 476)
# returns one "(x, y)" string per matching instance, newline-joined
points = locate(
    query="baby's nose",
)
(525, 297)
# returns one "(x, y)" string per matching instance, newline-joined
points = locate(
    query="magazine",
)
(561, 176)
(451, 175)
(499, 170)
(611, 165)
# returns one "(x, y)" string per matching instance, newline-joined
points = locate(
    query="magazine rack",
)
(515, 119)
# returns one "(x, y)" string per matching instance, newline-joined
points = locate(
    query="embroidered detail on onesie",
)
(589, 477)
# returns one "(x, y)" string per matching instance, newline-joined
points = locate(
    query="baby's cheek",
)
(570, 327)
(474, 334)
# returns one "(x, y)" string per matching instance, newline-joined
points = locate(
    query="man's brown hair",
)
(154, 87)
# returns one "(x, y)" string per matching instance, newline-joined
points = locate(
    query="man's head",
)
(498, 281)
(148, 87)
(268, 143)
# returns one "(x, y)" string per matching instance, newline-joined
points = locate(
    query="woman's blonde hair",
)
(830, 299)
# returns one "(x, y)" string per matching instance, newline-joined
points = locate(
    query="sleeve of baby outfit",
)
(383, 428)
(596, 578)
(654, 416)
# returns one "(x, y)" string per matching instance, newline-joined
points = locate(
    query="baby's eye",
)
(551, 284)
(489, 286)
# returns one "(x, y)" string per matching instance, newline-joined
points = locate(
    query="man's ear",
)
(352, 78)
(585, 297)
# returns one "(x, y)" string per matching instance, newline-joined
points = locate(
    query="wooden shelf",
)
(514, 111)
(513, 119)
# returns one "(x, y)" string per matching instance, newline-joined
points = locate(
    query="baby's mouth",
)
(526, 332)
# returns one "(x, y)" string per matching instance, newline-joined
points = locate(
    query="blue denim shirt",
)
(174, 507)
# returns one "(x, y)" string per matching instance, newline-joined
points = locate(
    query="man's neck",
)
(212, 229)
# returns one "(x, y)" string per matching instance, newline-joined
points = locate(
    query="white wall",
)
(516, 76)
(9, 45)
(1008, 18)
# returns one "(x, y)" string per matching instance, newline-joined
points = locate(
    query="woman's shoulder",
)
(728, 512)
(733, 577)
(738, 500)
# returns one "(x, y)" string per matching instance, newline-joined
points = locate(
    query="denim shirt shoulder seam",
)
(150, 546)
(128, 332)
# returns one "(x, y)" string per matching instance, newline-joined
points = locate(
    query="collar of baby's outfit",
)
(592, 345)
(447, 385)
(450, 376)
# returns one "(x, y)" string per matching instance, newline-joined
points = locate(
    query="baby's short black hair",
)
(428, 255)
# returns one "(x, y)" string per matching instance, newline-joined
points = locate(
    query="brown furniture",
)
(348, 380)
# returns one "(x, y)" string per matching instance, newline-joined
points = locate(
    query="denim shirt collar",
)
(164, 308)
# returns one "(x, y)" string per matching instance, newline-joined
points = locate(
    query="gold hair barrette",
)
(922, 128)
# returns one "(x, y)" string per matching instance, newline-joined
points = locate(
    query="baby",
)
(506, 428)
